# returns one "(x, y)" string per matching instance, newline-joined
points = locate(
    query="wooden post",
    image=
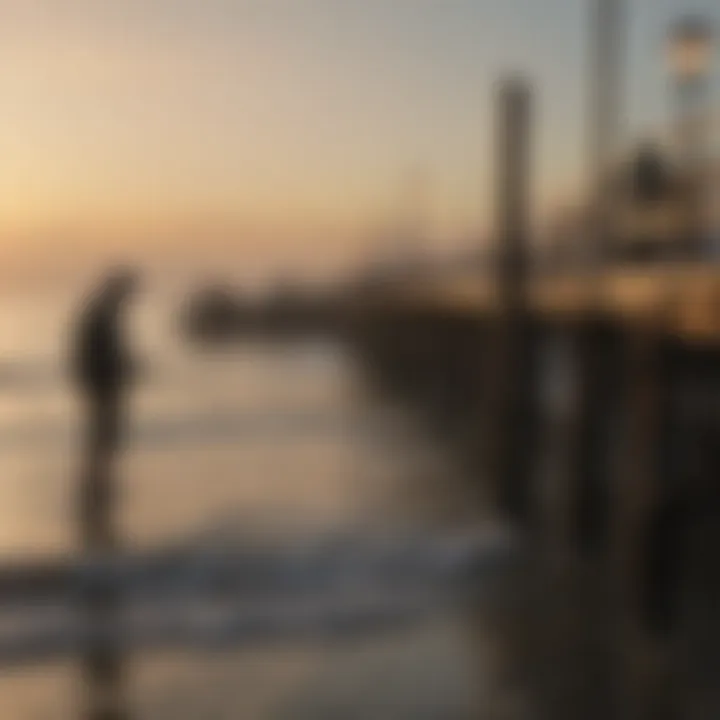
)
(513, 194)
(590, 441)
(645, 503)
(503, 622)
(508, 412)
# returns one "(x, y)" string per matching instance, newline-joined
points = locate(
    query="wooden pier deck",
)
(682, 301)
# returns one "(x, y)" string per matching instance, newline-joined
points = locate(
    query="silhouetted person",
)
(103, 371)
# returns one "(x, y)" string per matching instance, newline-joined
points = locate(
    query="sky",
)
(279, 135)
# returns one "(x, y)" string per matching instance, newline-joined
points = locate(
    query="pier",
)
(586, 400)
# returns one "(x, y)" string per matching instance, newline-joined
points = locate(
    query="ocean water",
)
(271, 447)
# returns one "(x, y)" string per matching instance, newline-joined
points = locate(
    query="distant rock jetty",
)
(220, 314)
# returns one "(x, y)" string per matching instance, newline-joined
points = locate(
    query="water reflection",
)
(269, 442)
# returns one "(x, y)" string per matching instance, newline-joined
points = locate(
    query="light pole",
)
(690, 55)
(607, 59)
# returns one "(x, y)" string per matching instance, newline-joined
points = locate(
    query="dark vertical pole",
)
(597, 358)
(102, 661)
(594, 346)
(606, 72)
(513, 201)
(503, 621)
(649, 526)
(511, 393)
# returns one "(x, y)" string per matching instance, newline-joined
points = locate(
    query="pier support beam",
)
(508, 423)
(598, 363)
(650, 527)
(581, 382)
